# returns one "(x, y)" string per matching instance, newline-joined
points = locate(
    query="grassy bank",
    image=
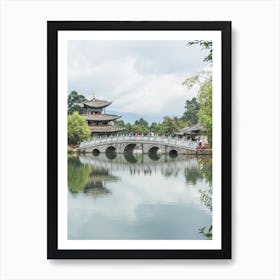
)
(73, 150)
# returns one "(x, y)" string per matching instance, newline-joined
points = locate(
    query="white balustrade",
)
(181, 143)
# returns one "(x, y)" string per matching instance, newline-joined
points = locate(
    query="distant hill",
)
(132, 117)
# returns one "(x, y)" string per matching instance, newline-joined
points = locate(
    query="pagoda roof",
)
(101, 117)
(105, 128)
(191, 129)
(96, 103)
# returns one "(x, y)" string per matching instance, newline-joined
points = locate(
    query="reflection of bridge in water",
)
(141, 163)
(147, 144)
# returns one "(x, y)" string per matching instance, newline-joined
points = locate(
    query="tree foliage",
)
(155, 128)
(78, 130)
(137, 128)
(128, 127)
(142, 122)
(74, 103)
(206, 231)
(203, 81)
(167, 127)
(205, 45)
(205, 112)
(170, 125)
(119, 123)
(191, 114)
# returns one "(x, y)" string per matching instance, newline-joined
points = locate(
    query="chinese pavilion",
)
(100, 123)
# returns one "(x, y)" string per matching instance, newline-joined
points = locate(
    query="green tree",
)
(179, 122)
(119, 123)
(169, 126)
(142, 122)
(75, 101)
(128, 127)
(205, 45)
(137, 128)
(203, 80)
(78, 130)
(154, 127)
(191, 114)
(205, 112)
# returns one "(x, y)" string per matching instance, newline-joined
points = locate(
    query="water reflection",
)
(193, 174)
(154, 156)
(139, 197)
(78, 175)
(132, 158)
(206, 173)
(205, 164)
(88, 179)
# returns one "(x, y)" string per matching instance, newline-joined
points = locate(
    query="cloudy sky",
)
(142, 78)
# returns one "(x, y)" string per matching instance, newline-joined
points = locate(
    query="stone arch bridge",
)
(148, 144)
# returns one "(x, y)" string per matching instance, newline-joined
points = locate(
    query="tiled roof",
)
(105, 128)
(101, 117)
(191, 129)
(95, 103)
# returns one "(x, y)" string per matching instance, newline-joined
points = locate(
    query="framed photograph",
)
(139, 140)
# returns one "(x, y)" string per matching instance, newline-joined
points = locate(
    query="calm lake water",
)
(139, 197)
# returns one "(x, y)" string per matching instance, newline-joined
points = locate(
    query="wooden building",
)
(194, 132)
(98, 121)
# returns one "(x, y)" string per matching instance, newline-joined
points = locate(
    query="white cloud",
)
(141, 79)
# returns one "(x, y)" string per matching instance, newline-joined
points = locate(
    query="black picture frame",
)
(53, 27)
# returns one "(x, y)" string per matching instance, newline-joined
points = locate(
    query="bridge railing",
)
(163, 140)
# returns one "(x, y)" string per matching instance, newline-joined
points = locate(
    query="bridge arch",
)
(153, 150)
(130, 147)
(111, 152)
(173, 153)
(154, 157)
(95, 152)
